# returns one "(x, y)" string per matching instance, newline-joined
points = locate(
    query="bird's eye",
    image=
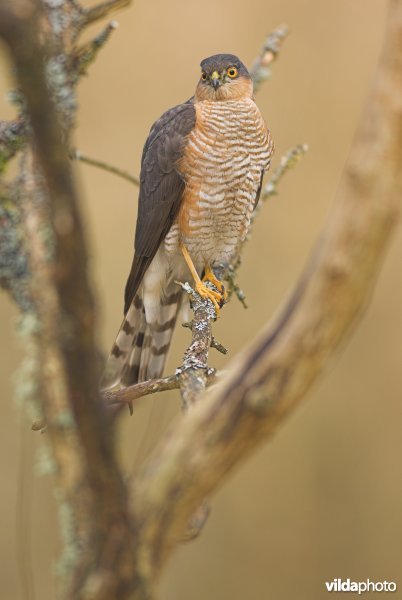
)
(232, 72)
(203, 76)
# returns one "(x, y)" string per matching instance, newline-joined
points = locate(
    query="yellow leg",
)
(204, 291)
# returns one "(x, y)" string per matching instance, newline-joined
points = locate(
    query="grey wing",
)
(161, 189)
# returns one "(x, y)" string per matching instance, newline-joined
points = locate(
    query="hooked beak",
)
(215, 80)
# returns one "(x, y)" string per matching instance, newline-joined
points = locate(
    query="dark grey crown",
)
(220, 62)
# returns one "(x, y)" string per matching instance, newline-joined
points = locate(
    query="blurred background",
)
(323, 499)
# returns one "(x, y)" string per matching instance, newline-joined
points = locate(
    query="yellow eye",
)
(203, 76)
(232, 72)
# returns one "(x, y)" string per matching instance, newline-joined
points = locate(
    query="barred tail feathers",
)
(141, 348)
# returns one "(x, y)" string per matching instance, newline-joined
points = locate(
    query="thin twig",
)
(77, 155)
(218, 346)
(85, 55)
(144, 388)
(102, 10)
(287, 162)
(232, 285)
(14, 134)
(129, 394)
(261, 69)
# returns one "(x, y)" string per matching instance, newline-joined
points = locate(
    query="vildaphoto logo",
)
(361, 587)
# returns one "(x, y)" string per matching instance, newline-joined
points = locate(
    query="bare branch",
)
(266, 382)
(102, 10)
(91, 486)
(85, 55)
(77, 155)
(261, 69)
(14, 134)
(287, 162)
(129, 394)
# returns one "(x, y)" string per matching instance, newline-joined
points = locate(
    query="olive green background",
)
(323, 499)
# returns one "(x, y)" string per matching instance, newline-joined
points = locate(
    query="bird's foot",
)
(206, 293)
(218, 297)
(210, 276)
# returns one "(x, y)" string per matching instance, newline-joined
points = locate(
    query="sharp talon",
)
(210, 276)
(218, 298)
(222, 294)
(207, 293)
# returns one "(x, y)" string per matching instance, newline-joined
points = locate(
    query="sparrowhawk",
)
(201, 175)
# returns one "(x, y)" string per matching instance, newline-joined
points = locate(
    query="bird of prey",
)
(201, 176)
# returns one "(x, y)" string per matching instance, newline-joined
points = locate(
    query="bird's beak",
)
(215, 80)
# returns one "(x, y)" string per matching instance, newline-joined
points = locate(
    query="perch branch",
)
(192, 378)
(266, 382)
(193, 374)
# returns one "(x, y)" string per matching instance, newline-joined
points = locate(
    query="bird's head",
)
(223, 77)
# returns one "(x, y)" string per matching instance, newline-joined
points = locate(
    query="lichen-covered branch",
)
(193, 374)
(270, 377)
(86, 54)
(14, 266)
(75, 59)
(12, 139)
(93, 496)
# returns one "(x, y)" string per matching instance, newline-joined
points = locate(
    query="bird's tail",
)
(140, 350)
